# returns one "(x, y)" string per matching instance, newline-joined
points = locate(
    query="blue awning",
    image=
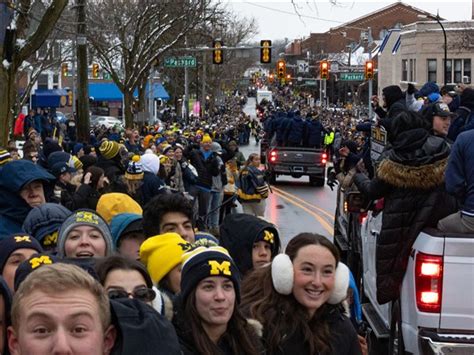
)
(49, 98)
(105, 92)
(111, 92)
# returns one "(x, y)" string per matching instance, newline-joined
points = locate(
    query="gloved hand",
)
(332, 180)
(411, 89)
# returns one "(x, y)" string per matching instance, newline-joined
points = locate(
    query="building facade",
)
(415, 54)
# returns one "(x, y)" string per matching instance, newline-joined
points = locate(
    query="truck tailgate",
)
(294, 156)
(457, 308)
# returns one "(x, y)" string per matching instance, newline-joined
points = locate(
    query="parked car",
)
(107, 121)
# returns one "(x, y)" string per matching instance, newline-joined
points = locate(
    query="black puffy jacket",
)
(411, 179)
(206, 168)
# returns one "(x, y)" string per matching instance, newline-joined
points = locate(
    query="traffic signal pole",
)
(82, 122)
(186, 88)
(369, 40)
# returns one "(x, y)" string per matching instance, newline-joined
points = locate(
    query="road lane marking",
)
(321, 220)
(304, 202)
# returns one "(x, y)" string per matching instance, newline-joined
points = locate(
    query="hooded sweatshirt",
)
(238, 233)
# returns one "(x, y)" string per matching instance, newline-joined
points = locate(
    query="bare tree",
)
(21, 51)
(129, 35)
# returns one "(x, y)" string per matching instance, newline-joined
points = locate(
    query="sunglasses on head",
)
(142, 294)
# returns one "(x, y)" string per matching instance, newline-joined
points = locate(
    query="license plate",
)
(298, 169)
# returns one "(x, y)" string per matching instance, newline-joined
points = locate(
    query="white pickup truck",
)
(435, 312)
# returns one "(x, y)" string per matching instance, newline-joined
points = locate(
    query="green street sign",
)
(180, 62)
(352, 77)
(311, 83)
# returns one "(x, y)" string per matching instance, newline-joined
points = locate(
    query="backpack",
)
(463, 122)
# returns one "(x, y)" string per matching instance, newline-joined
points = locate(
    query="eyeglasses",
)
(142, 294)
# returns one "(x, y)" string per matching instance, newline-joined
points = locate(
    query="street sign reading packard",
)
(352, 77)
(378, 141)
(180, 62)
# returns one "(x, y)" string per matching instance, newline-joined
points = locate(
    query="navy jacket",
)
(313, 134)
(295, 130)
(460, 171)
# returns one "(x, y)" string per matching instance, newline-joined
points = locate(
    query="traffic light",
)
(281, 69)
(64, 69)
(69, 98)
(265, 51)
(369, 70)
(217, 53)
(95, 70)
(324, 69)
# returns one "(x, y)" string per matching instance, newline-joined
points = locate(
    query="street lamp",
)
(437, 19)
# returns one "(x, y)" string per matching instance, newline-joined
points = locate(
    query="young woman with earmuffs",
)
(299, 301)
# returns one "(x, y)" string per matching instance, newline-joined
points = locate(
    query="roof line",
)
(348, 24)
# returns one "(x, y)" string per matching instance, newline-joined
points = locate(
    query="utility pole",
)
(203, 87)
(186, 88)
(83, 124)
(73, 72)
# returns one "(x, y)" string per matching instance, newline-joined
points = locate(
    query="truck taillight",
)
(324, 158)
(273, 156)
(428, 282)
(362, 217)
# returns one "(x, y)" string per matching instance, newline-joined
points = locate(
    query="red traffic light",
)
(324, 69)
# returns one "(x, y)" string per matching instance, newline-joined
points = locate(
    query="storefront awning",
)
(111, 92)
(49, 98)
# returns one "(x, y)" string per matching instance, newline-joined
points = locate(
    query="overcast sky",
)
(279, 20)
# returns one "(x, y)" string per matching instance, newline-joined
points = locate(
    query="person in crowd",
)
(14, 154)
(299, 300)
(439, 116)
(13, 251)
(313, 132)
(207, 165)
(233, 151)
(134, 179)
(78, 150)
(125, 278)
(230, 189)
(393, 104)
(111, 204)
(43, 223)
(162, 255)
(152, 184)
(251, 241)
(295, 131)
(252, 188)
(29, 122)
(176, 176)
(410, 178)
(22, 187)
(112, 161)
(5, 157)
(460, 183)
(88, 193)
(217, 191)
(169, 213)
(30, 152)
(5, 319)
(85, 234)
(132, 143)
(57, 299)
(127, 234)
(188, 172)
(464, 119)
(63, 188)
(209, 320)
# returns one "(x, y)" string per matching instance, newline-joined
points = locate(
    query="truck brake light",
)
(362, 217)
(273, 156)
(324, 158)
(428, 282)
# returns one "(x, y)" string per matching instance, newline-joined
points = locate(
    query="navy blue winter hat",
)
(16, 241)
(428, 88)
(45, 220)
(57, 157)
(202, 262)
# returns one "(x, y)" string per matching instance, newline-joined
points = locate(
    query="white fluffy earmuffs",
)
(283, 278)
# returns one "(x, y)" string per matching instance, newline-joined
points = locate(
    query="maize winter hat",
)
(134, 169)
(109, 149)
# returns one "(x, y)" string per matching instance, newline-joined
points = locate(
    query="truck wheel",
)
(395, 342)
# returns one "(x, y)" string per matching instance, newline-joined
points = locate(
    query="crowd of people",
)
(129, 243)
(133, 236)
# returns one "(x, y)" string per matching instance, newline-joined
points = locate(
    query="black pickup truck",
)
(296, 162)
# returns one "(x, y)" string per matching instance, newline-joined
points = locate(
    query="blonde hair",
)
(56, 278)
